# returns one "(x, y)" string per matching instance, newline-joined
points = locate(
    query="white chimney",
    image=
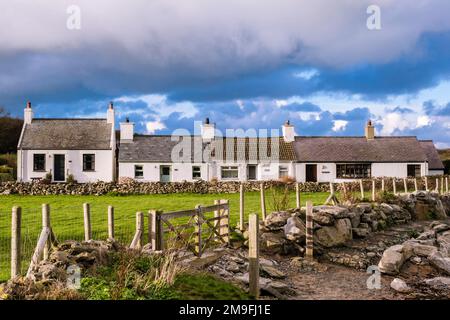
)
(126, 131)
(28, 114)
(288, 132)
(208, 130)
(110, 114)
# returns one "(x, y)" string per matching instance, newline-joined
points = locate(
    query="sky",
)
(244, 64)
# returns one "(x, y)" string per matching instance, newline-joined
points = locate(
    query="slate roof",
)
(359, 149)
(67, 134)
(252, 149)
(159, 148)
(434, 161)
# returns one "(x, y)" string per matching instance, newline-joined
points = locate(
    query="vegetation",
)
(10, 129)
(445, 157)
(8, 165)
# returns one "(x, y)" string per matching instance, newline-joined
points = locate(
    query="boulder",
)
(440, 262)
(273, 242)
(295, 230)
(323, 218)
(365, 207)
(419, 249)
(333, 236)
(360, 232)
(271, 272)
(400, 286)
(441, 227)
(443, 240)
(439, 282)
(334, 211)
(355, 218)
(276, 220)
(393, 259)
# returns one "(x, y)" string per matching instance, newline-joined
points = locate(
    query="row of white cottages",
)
(88, 150)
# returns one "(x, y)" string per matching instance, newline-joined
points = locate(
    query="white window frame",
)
(199, 171)
(142, 170)
(230, 169)
(283, 169)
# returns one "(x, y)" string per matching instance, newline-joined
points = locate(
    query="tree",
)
(10, 129)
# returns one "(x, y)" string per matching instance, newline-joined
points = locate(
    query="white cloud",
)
(153, 126)
(392, 122)
(307, 74)
(423, 121)
(339, 125)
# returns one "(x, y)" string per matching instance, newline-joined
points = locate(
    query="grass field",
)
(67, 215)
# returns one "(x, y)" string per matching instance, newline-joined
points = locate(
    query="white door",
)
(165, 174)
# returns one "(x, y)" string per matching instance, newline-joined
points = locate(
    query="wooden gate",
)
(194, 230)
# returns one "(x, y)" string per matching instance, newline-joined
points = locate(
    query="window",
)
(229, 173)
(88, 162)
(139, 171)
(283, 172)
(414, 170)
(196, 173)
(353, 170)
(39, 162)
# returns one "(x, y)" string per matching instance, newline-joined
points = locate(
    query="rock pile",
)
(430, 249)
(68, 257)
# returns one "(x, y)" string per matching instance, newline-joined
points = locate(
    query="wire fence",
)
(67, 224)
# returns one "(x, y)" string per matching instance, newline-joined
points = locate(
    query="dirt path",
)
(330, 281)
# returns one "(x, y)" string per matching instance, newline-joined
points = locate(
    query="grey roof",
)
(67, 134)
(159, 148)
(434, 161)
(252, 149)
(359, 149)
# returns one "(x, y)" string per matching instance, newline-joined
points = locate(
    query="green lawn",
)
(67, 215)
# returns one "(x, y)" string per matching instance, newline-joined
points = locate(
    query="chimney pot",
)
(207, 121)
(28, 105)
(111, 105)
(370, 130)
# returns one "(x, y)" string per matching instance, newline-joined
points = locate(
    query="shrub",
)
(70, 179)
(384, 196)
(279, 199)
(288, 180)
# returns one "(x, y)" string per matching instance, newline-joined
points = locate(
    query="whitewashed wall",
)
(179, 171)
(435, 172)
(326, 172)
(104, 165)
(399, 170)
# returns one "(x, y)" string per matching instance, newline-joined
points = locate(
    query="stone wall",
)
(102, 188)
(285, 232)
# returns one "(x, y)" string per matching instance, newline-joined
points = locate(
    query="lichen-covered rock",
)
(276, 220)
(336, 235)
(295, 230)
(393, 259)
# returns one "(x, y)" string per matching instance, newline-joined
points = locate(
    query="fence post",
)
(241, 207)
(263, 202)
(198, 230)
(426, 184)
(140, 228)
(442, 185)
(16, 225)
(297, 195)
(253, 255)
(415, 184)
(156, 230)
(437, 185)
(361, 186)
(405, 185)
(217, 216)
(382, 185)
(111, 222)
(309, 230)
(87, 222)
(224, 228)
(46, 224)
(373, 190)
(394, 186)
(446, 184)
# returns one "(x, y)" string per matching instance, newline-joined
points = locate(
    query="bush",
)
(70, 179)
(5, 177)
(279, 199)
(384, 196)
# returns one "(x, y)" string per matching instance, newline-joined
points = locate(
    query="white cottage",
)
(83, 148)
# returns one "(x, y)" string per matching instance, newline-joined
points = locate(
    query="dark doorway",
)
(59, 167)
(413, 170)
(252, 172)
(311, 173)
